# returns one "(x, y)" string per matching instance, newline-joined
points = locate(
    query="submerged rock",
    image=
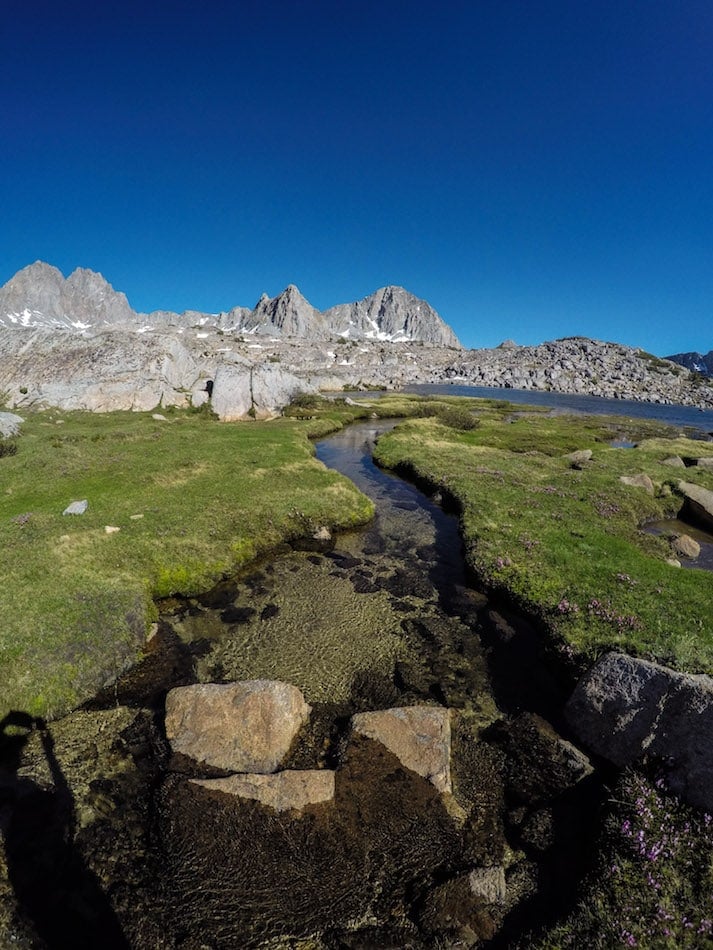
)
(238, 727)
(282, 791)
(638, 481)
(419, 736)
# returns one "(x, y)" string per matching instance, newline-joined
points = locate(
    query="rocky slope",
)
(76, 343)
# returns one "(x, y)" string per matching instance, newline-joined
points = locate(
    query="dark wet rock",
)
(314, 559)
(344, 561)
(540, 764)
(238, 727)
(408, 583)
(269, 611)
(221, 596)
(282, 791)
(401, 606)
(537, 831)
(362, 585)
(235, 614)
(626, 709)
(461, 914)
(419, 736)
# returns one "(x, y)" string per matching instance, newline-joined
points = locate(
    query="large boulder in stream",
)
(625, 709)
(237, 727)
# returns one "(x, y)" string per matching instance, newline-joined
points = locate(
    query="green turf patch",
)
(193, 499)
(566, 542)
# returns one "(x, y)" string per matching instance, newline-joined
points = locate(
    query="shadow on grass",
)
(57, 894)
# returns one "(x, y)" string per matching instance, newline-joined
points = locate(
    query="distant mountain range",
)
(39, 296)
(697, 362)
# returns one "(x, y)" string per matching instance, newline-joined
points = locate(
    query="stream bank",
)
(380, 618)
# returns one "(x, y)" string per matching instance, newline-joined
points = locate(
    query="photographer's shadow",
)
(58, 896)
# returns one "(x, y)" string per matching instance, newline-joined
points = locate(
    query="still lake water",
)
(570, 402)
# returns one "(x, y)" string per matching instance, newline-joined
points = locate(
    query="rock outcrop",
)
(260, 392)
(236, 727)
(38, 295)
(77, 344)
(625, 709)
(392, 314)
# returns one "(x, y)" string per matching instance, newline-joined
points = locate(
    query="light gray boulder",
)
(625, 709)
(281, 791)
(76, 507)
(247, 726)
(242, 391)
(685, 546)
(10, 424)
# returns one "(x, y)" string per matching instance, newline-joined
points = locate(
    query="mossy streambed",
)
(137, 856)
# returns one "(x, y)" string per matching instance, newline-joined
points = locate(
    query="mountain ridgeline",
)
(39, 297)
(697, 362)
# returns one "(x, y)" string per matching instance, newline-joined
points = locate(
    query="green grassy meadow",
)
(193, 499)
(566, 543)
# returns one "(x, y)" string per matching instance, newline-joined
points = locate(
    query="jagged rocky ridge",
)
(696, 362)
(77, 344)
(38, 296)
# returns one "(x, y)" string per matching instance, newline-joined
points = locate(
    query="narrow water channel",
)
(377, 618)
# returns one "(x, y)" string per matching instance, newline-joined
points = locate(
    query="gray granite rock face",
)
(625, 708)
(392, 314)
(76, 344)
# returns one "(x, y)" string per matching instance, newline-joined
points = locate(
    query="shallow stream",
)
(378, 618)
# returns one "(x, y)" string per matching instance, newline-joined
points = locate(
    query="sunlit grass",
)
(193, 499)
(566, 543)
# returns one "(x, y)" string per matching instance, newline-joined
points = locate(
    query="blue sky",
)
(534, 169)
